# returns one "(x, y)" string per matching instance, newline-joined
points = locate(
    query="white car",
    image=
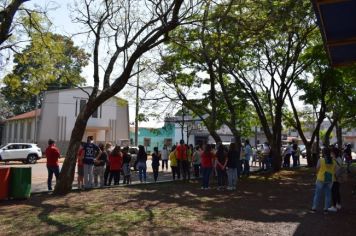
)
(28, 153)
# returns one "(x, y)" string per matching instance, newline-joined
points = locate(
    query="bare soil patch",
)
(263, 205)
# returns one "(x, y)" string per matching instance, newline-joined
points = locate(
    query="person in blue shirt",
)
(91, 152)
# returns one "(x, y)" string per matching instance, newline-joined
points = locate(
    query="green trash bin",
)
(20, 182)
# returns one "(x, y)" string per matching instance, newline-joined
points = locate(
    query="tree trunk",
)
(328, 133)
(339, 135)
(65, 181)
(277, 139)
(215, 136)
(308, 148)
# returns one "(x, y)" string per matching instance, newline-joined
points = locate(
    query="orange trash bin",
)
(4, 183)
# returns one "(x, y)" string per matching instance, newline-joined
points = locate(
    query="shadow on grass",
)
(276, 204)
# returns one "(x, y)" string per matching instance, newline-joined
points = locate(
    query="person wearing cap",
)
(52, 155)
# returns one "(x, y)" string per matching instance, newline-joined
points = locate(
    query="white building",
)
(56, 118)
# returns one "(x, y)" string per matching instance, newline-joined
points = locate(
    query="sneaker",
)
(338, 206)
(332, 209)
(312, 210)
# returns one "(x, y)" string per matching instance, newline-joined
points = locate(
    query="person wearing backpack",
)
(325, 170)
(335, 190)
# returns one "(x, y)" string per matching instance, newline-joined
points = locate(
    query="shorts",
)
(80, 170)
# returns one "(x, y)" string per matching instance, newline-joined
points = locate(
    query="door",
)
(12, 152)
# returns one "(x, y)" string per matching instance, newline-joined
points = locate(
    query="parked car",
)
(28, 153)
(133, 151)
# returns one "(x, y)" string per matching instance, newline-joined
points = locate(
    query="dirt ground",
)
(262, 205)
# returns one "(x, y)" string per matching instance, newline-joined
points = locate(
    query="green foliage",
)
(50, 61)
(5, 108)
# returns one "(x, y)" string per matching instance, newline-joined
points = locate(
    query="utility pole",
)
(137, 103)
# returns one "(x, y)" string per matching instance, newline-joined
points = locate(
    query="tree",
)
(50, 61)
(130, 29)
(270, 62)
(330, 94)
(7, 15)
(5, 108)
(194, 61)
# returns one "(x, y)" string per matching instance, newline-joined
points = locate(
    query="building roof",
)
(27, 115)
(82, 88)
(336, 20)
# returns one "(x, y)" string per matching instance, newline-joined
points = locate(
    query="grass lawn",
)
(263, 205)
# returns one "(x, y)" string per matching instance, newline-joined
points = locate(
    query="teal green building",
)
(154, 137)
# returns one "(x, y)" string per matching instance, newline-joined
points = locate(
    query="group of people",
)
(330, 175)
(100, 165)
(227, 164)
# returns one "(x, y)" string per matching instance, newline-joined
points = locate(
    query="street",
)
(39, 174)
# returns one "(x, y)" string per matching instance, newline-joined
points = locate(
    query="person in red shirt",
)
(207, 157)
(52, 155)
(115, 162)
(80, 167)
(182, 159)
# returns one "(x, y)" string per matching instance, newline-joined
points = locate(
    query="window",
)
(95, 114)
(146, 142)
(82, 104)
(14, 146)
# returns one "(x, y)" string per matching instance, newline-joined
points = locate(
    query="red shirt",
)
(80, 153)
(52, 155)
(181, 152)
(207, 160)
(115, 162)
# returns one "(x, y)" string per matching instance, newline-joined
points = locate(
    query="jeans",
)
(239, 168)
(186, 169)
(221, 177)
(88, 175)
(174, 172)
(246, 167)
(98, 174)
(116, 175)
(232, 177)
(295, 160)
(179, 167)
(319, 188)
(106, 174)
(165, 162)
(142, 171)
(286, 161)
(52, 170)
(206, 177)
(336, 193)
(155, 173)
(196, 170)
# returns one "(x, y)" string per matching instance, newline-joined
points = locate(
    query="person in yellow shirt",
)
(325, 170)
(174, 163)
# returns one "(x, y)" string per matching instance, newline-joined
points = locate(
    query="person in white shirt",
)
(287, 154)
(164, 155)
